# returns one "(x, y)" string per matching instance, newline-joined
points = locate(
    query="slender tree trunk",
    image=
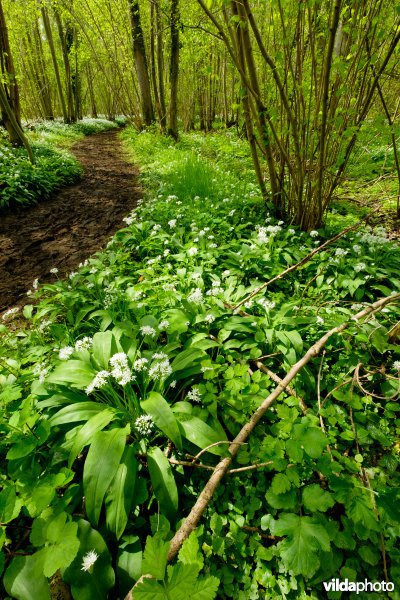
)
(91, 91)
(174, 70)
(10, 106)
(141, 63)
(40, 71)
(49, 35)
(153, 66)
(66, 43)
(160, 68)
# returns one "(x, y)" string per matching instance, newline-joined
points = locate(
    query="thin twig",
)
(208, 447)
(277, 379)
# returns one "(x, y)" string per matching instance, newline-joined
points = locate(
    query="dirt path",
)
(73, 224)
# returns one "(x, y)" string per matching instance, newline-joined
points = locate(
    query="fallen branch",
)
(222, 467)
(278, 380)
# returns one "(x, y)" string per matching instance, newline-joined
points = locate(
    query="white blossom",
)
(360, 267)
(196, 296)
(160, 369)
(320, 320)
(147, 330)
(314, 233)
(209, 319)
(192, 251)
(194, 394)
(163, 325)
(65, 353)
(144, 425)
(54, 270)
(41, 370)
(340, 252)
(120, 368)
(99, 381)
(83, 344)
(88, 560)
(140, 364)
(396, 365)
(35, 284)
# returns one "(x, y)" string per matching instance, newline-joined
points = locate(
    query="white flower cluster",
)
(65, 352)
(194, 395)
(129, 220)
(172, 223)
(314, 233)
(196, 296)
(120, 368)
(377, 238)
(262, 235)
(360, 267)
(147, 330)
(340, 252)
(140, 364)
(216, 289)
(144, 425)
(84, 344)
(266, 304)
(161, 368)
(54, 271)
(163, 325)
(100, 380)
(192, 251)
(88, 560)
(396, 365)
(209, 319)
(41, 371)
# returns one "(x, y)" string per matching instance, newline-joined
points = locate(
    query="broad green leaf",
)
(22, 448)
(181, 581)
(62, 552)
(202, 435)
(75, 372)
(190, 552)
(205, 589)
(24, 579)
(129, 563)
(104, 346)
(92, 585)
(149, 589)
(119, 496)
(158, 408)
(311, 439)
(163, 482)
(81, 411)
(305, 538)
(10, 505)
(186, 358)
(100, 468)
(317, 499)
(155, 557)
(88, 430)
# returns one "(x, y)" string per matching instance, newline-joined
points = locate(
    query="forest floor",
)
(62, 232)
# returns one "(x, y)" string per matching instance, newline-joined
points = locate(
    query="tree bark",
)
(49, 35)
(174, 70)
(141, 63)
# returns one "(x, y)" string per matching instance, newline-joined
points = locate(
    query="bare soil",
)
(72, 225)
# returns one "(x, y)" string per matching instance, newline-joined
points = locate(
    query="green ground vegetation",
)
(140, 350)
(23, 183)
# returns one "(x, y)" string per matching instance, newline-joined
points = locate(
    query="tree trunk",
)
(49, 35)
(66, 44)
(174, 70)
(141, 63)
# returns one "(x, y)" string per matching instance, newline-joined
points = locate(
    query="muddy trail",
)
(72, 225)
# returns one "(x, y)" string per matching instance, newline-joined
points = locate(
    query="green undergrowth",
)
(137, 362)
(23, 183)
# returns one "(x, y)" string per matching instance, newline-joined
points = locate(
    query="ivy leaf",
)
(306, 537)
(155, 557)
(317, 499)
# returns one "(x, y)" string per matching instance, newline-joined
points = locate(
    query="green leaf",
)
(81, 411)
(202, 435)
(119, 496)
(75, 372)
(100, 468)
(24, 579)
(306, 536)
(155, 557)
(129, 563)
(163, 482)
(149, 589)
(88, 430)
(158, 408)
(280, 484)
(317, 499)
(311, 439)
(190, 552)
(205, 589)
(104, 346)
(62, 552)
(10, 505)
(92, 585)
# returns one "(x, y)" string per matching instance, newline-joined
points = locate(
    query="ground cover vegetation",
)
(22, 182)
(137, 363)
(208, 408)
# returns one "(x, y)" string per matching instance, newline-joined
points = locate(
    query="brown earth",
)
(69, 227)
